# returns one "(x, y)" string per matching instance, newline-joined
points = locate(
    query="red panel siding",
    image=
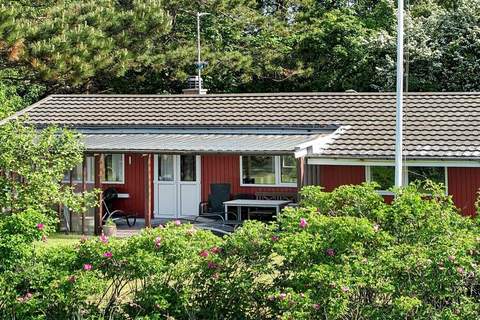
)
(463, 184)
(226, 169)
(134, 185)
(335, 176)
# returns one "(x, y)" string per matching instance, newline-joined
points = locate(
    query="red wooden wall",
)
(134, 185)
(463, 184)
(334, 176)
(226, 169)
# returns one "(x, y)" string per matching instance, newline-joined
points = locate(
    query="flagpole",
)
(399, 109)
(199, 61)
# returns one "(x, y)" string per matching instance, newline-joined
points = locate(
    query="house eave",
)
(417, 162)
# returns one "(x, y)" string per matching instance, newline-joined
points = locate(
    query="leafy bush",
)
(331, 258)
(349, 200)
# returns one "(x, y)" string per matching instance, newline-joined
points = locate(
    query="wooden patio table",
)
(251, 203)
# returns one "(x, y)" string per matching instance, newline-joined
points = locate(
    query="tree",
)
(135, 46)
(76, 44)
(32, 166)
(443, 43)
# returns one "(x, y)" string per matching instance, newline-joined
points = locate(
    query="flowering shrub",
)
(331, 258)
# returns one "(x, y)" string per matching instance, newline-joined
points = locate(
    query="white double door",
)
(176, 185)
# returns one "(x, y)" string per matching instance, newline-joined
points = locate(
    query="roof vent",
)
(194, 86)
(350, 91)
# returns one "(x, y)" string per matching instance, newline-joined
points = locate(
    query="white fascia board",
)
(411, 163)
(315, 146)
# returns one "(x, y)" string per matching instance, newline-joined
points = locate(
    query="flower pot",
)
(110, 230)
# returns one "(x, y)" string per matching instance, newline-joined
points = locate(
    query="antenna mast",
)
(200, 63)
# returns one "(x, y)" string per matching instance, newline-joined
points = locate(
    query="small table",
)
(239, 203)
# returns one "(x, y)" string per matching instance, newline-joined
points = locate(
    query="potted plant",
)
(110, 228)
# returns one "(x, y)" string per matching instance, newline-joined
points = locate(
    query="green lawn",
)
(61, 239)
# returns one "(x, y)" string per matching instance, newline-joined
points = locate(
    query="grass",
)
(60, 239)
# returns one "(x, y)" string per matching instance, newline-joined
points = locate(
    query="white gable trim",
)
(317, 145)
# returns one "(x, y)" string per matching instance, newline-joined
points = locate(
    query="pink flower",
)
(177, 222)
(215, 250)
(460, 270)
(160, 226)
(303, 223)
(204, 253)
(87, 267)
(25, 297)
(451, 258)
(40, 226)
(158, 242)
(212, 265)
(103, 238)
(282, 296)
(345, 289)
(275, 238)
(330, 252)
(316, 306)
(107, 255)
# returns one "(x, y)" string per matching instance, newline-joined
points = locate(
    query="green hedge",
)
(340, 255)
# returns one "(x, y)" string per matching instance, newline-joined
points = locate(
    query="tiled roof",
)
(251, 143)
(437, 125)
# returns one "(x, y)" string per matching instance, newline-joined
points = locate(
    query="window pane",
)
(165, 167)
(258, 169)
(289, 169)
(435, 174)
(77, 171)
(66, 176)
(384, 176)
(113, 168)
(90, 169)
(187, 168)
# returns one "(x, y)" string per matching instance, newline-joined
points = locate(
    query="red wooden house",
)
(162, 152)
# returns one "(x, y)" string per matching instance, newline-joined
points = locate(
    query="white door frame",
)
(176, 181)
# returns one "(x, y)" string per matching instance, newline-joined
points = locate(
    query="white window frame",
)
(90, 166)
(278, 173)
(368, 178)
(123, 170)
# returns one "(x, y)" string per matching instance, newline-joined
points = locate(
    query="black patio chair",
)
(219, 193)
(109, 196)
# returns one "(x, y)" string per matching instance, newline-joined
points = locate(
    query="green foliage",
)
(340, 255)
(32, 165)
(133, 46)
(15, 95)
(356, 201)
